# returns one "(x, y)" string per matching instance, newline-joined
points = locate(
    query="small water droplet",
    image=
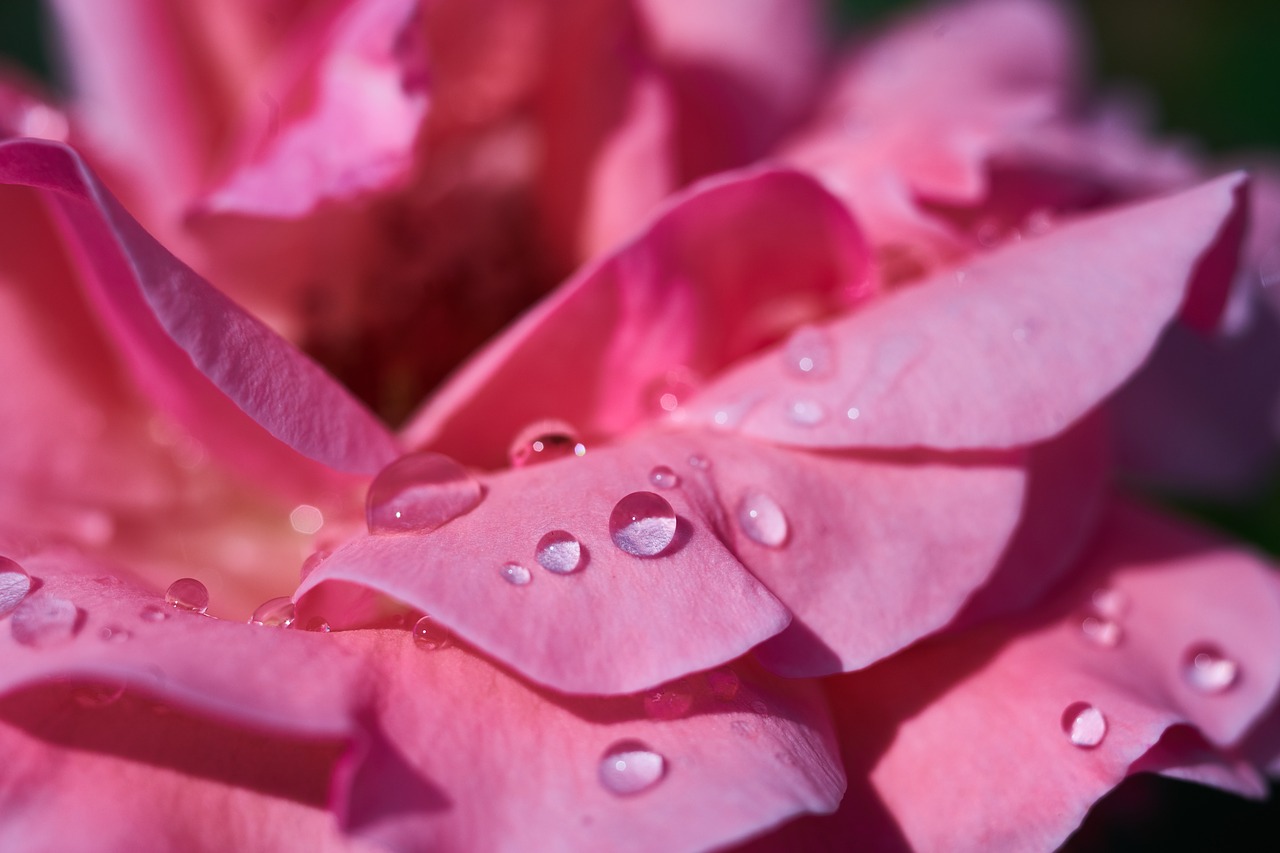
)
(663, 477)
(312, 563)
(762, 520)
(114, 634)
(44, 620)
(153, 613)
(318, 624)
(430, 635)
(544, 441)
(306, 519)
(187, 594)
(808, 353)
(1208, 670)
(668, 703)
(515, 574)
(670, 391)
(629, 767)
(15, 583)
(275, 613)
(1109, 602)
(558, 551)
(642, 524)
(420, 492)
(1101, 630)
(1084, 725)
(700, 462)
(98, 695)
(729, 415)
(806, 412)
(723, 683)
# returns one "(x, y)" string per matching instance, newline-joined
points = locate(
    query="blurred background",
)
(1211, 70)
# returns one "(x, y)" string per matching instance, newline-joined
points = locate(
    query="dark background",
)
(1212, 68)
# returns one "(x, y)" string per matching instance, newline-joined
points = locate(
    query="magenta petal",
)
(1009, 350)
(228, 379)
(724, 269)
(469, 757)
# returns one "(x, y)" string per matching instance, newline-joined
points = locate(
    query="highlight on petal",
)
(718, 273)
(1037, 718)
(25, 111)
(228, 379)
(1008, 350)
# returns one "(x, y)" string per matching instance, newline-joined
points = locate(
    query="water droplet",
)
(1101, 630)
(808, 353)
(275, 613)
(515, 574)
(642, 524)
(1208, 670)
(430, 635)
(671, 390)
(558, 551)
(544, 441)
(114, 634)
(318, 624)
(1109, 602)
(723, 683)
(762, 520)
(44, 620)
(1084, 724)
(806, 412)
(15, 583)
(669, 703)
(153, 613)
(729, 415)
(700, 462)
(187, 594)
(853, 413)
(420, 492)
(98, 695)
(629, 767)
(312, 563)
(663, 477)
(306, 519)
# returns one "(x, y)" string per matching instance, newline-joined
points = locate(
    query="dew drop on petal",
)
(723, 683)
(1109, 602)
(43, 621)
(1208, 670)
(544, 441)
(629, 767)
(808, 353)
(420, 492)
(187, 594)
(642, 524)
(98, 695)
(668, 703)
(114, 634)
(275, 613)
(806, 412)
(1084, 725)
(670, 391)
(663, 477)
(153, 613)
(15, 583)
(558, 551)
(430, 635)
(853, 413)
(700, 462)
(1101, 630)
(515, 574)
(762, 520)
(318, 624)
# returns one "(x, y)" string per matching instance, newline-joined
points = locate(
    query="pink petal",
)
(983, 710)
(469, 757)
(869, 554)
(253, 401)
(719, 273)
(1007, 351)
(26, 111)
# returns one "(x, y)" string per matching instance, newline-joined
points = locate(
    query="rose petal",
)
(716, 275)
(1033, 336)
(197, 354)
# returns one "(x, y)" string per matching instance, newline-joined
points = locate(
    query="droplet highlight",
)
(544, 441)
(187, 594)
(515, 574)
(420, 492)
(275, 613)
(762, 520)
(15, 583)
(1101, 630)
(809, 353)
(642, 524)
(1084, 725)
(559, 551)
(43, 621)
(662, 477)
(430, 635)
(806, 412)
(671, 390)
(1208, 670)
(630, 767)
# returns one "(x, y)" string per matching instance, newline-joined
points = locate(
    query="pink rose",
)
(787, 519)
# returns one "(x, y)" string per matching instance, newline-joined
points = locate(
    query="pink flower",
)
(786, 519)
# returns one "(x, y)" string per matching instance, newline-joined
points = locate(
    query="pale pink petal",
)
(720, 272)
(962, 740)
(868, 553)
(1010, 349)
(235, 385)
(468, 757)
(347, 127)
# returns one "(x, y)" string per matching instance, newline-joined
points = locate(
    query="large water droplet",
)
(420, 492)
(642, 524)
(15, 583)
(762, 520)
(629, 767)
(275, 613)
(668, 703)
(1101, 630)
(1208, 670)
(312, 563)
(806, 412)
(808, 353)
(187, 594)
(430, 635)
(515, 574)
(663, 477)
(44, 620)
(1084, 724)
(559, 551)
(542, 442)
